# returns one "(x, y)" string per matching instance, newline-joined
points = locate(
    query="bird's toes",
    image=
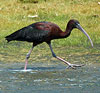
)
(74, 66)
(71, 66)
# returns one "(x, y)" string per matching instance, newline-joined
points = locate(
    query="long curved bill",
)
(81, 29)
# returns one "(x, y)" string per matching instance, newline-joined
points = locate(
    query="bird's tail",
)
(11, 37)
(8, 38)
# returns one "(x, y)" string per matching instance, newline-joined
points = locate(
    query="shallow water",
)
(49, 79)
(52, 76)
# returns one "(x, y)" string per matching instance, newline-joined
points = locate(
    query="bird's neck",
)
(67, 32)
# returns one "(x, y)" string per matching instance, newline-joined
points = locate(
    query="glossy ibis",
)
(45, 32)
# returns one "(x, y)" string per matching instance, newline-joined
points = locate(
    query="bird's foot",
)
(74, 66)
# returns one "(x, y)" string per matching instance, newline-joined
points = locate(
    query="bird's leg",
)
(27, 57)
(69, 64)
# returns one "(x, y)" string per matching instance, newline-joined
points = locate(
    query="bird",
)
(44, 31)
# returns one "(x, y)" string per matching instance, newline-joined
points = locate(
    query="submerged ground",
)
(45, 73)
(51, 78)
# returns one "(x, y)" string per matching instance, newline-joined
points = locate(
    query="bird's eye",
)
(76, 23)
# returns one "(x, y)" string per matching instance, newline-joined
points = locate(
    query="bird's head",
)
(72, 24)
(75, 24)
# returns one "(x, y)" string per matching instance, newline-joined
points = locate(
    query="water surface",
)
(41, 77)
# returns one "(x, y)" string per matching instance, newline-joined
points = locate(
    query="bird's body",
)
(45, 32)
(38, 32)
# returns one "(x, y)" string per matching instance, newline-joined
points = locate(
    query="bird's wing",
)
(34, 32)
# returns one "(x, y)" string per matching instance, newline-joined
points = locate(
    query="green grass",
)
(14, 15)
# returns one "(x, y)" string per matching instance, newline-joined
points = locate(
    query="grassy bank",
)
(15, 14)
